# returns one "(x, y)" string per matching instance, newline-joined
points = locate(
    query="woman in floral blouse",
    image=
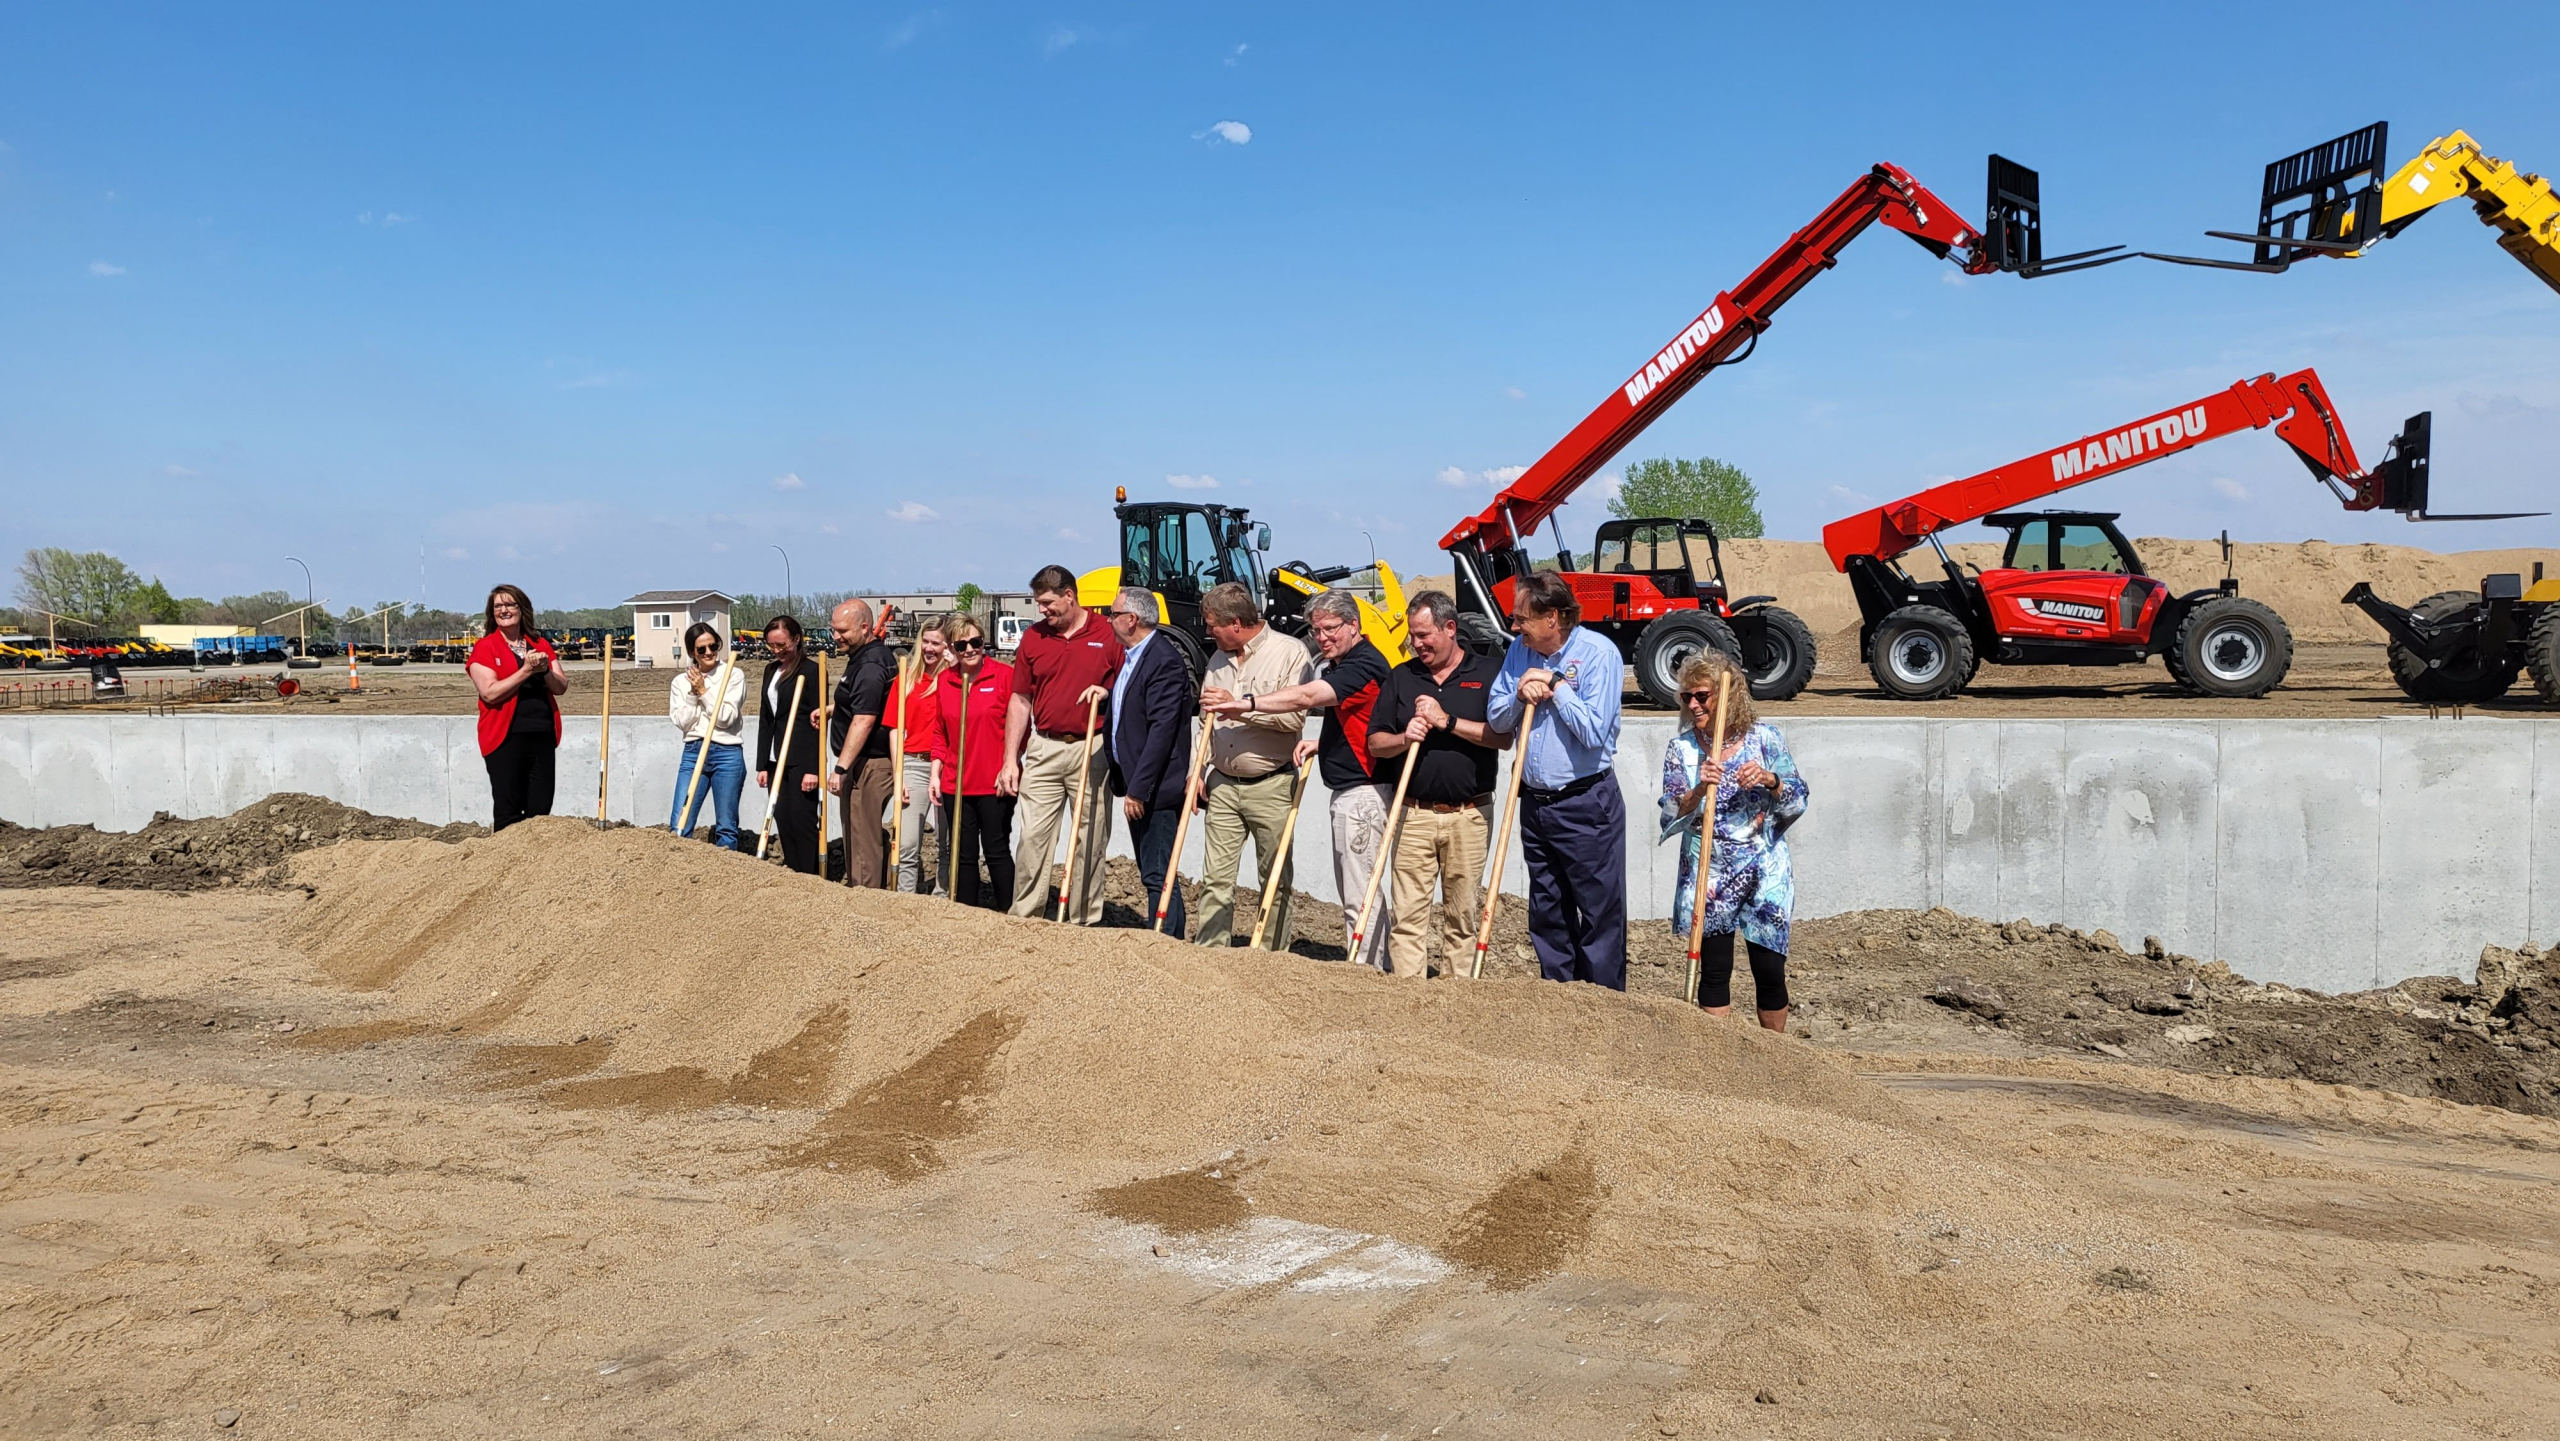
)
(1750, 886)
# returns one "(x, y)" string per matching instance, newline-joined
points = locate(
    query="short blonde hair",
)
(958, 624)
(1704, 671)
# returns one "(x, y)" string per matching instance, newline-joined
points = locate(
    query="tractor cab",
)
(1659, 550)
(2052, 540)
(1179, 551)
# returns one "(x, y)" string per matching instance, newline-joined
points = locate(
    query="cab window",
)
(2031, 545)
(1199, 551)
(2086, 547)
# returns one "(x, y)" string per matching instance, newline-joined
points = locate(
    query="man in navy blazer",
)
(1152, 718)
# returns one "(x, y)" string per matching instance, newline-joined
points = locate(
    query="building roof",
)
(679, 597)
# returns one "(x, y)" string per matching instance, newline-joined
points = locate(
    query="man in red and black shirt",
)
(1345, 689)
(1436, 701)
(1063, 664)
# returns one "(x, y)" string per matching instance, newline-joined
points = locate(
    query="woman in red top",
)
(519, 680)
(980, 818)
(923, 718)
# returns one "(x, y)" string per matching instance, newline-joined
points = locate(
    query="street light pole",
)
(308, 603)
(786, 576)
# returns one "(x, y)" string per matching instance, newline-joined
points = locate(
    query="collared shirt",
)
(1120, 688)
(870, 675)
(1576, 732)
(1449, 769)
(1054, 672)
(1254, 745)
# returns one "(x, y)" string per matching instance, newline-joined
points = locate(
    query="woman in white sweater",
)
(689, 705)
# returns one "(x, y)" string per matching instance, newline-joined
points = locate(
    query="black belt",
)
(1070, 737)
(1449, 808)
(1564, 792)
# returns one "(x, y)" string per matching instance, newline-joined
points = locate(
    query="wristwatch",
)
(1248, 702)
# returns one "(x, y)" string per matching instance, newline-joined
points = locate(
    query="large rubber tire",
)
(2233, 646)
(1667, 645)
(2466, 676)
(1194, 659)
(1478, 633)
(2542, 652)
(1921, 653)
(1782, 664)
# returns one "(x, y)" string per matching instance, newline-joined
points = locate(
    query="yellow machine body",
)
(2519, 205)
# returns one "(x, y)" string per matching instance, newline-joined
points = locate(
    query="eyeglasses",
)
(972, 643)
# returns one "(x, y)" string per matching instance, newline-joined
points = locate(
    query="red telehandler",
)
(2069, 590)
(1645, 592)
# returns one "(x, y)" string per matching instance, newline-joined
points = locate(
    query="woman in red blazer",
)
(518, 676)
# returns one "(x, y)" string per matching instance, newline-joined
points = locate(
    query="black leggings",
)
(990, 837)
(1715, 973)
(521, 774)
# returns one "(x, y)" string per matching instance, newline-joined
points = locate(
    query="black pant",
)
(521, 771)
(989, 820)
(1715, 973)
(795, 821)
(1576, 850)
(1151, 836)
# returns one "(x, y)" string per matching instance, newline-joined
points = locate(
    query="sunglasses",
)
(706, 650)
(1699, 697)
(972, 644)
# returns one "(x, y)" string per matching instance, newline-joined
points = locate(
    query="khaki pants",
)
(1359, 831)
(1446, 851)
(921, 810)
(1045, 806)
(1232, 811)
(866, 839)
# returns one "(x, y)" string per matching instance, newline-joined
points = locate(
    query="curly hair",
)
(1704, 671)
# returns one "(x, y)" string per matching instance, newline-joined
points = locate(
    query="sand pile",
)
(1516, 1126)
(174, 855)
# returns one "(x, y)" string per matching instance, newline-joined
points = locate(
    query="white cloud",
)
(790, 481)
(827, 528)
(1956, 278)
(1192, 482)
(1515, 392)
(1235, 55)
(1846, 496)
(1226, 132)
(394, 217)
(179, 472)
(2229, 489)
(913, 512)
(102, 269)
(1069, 532)
(509, 552)
(720, 547)
(1059, 38)
(906, 32)
(1496, 478)
(455, 552)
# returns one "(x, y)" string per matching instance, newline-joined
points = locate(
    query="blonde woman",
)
(1753, 792)
(714, 740)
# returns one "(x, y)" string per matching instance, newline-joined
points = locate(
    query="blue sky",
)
(610, 298)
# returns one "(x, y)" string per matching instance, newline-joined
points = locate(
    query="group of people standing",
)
(1096, 708)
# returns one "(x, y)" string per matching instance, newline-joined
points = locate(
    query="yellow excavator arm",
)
(2520, 205)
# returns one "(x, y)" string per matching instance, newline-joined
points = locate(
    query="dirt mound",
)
(174, 855)
(1882, 979)
(920, 1034)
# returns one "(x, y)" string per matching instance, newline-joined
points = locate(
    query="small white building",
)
(659, 619)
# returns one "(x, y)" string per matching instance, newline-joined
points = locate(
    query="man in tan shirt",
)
(1252, 758)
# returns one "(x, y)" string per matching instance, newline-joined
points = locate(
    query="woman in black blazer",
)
(791, 780)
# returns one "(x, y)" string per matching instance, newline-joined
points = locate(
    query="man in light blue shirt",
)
(1573, 821)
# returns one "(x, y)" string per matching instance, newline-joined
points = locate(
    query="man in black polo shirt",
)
(863, 771)
(1436, 701)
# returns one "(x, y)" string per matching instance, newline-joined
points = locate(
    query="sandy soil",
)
(582, 1131)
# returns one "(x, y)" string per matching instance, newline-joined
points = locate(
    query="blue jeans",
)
(720, 786)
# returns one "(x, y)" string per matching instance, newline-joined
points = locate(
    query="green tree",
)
(966, 598)
(157, 606)
(1704, 489)
(90, 586)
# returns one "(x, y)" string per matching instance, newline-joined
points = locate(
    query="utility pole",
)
(787, 597)
(308, 603)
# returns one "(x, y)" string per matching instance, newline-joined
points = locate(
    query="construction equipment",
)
(2460, 647)
(1660, 614)
(1179, 550)
(2069, 589)
(2330, 216)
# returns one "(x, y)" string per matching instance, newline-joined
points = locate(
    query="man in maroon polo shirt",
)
(1065, 662)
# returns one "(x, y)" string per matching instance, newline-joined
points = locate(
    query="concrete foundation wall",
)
(2336, 855)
